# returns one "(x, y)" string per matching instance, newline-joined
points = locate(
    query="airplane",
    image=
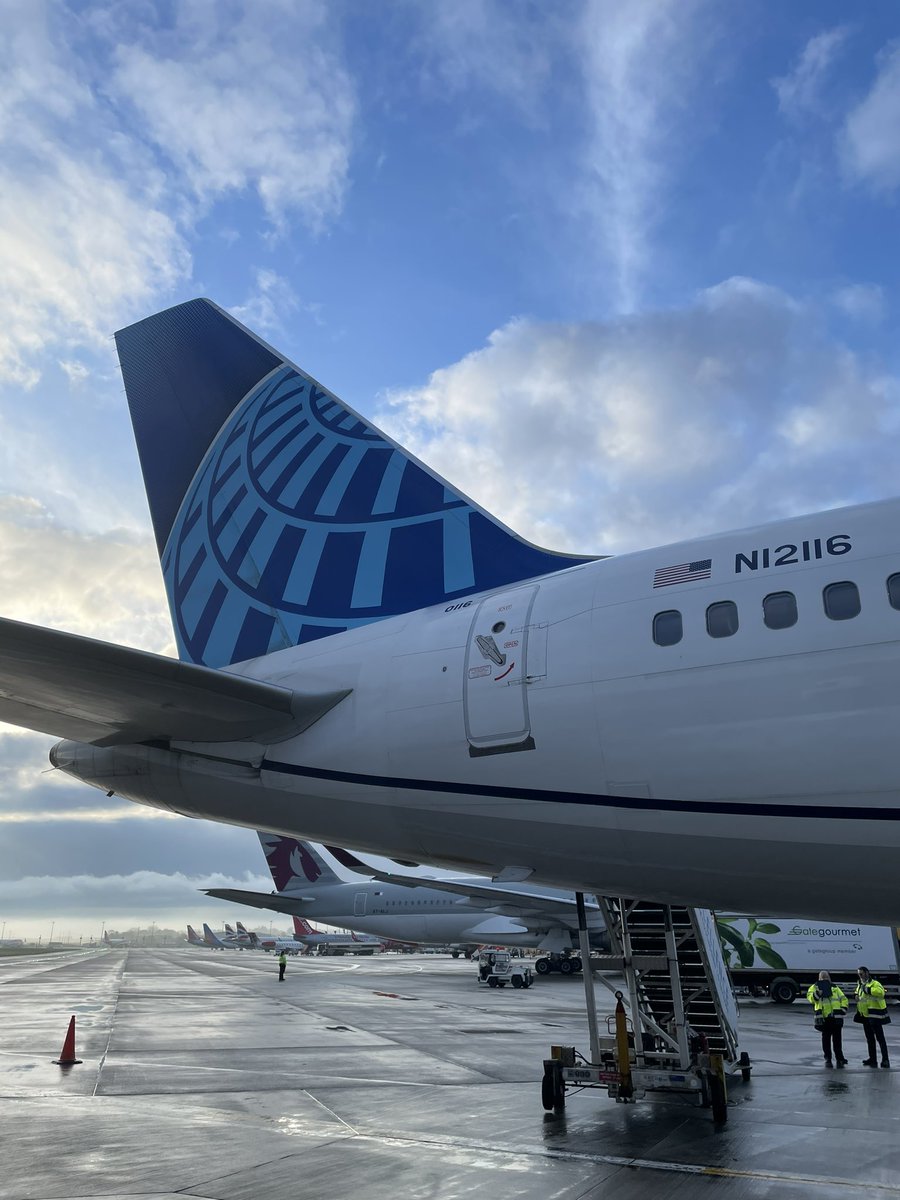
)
(194, 939)
(464, 910)
(217, 942)
(368, 658)
(113, 941)
(289, 945)
(334, 943)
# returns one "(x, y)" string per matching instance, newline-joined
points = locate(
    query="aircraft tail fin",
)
(193, 937)
(295, 865)
(302, 927)
(209, 937)
(281, 515)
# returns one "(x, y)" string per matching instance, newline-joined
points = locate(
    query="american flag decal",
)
(682, 573)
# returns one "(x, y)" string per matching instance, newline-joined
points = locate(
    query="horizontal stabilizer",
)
(88, 691)
(278, 903)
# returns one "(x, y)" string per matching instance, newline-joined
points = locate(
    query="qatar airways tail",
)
(370, 659)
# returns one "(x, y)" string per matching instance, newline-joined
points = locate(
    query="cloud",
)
(870, 148)
(243, 96)
(640, 63)
(83, 239)
(104, 585)
(490, 45)
(800, 90)
(119, 129)
(120, 899)
(861, 301)
(648, 429)
(273, 300)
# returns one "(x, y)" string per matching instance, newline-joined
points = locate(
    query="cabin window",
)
(780, 610)
(667, 627)
(893, 587)
(841, 600)
(722, 619)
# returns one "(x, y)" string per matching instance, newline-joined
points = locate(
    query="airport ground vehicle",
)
(497, 968)
(781, 957)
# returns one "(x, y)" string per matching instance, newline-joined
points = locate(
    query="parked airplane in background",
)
(290, 945)
(194, 939)
(330, 942)
(370, 659)
(408, 908)
(113, 941)
(223, 941)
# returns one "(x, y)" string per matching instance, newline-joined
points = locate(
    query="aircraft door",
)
(495, 698)
(359, 904)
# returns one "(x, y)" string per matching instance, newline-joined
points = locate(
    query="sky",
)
(625, 274)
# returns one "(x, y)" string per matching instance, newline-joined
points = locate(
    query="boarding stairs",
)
(676, 979)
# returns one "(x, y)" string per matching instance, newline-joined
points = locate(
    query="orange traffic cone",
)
(67, 1057)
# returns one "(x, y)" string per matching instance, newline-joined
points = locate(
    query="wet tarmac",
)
(394, 1076)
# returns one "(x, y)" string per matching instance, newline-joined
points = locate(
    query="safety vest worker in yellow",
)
(872, 1014)
(829, 1005)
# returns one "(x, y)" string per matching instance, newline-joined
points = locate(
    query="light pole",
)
(52, 927)
(3, 931)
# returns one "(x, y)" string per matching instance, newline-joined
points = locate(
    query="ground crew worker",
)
(829, 1005)
(872, 1014)
(282, 963)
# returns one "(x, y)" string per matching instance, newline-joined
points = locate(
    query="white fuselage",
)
(541, 727)
(424, 914)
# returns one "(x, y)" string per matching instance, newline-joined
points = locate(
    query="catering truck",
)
(781, 957)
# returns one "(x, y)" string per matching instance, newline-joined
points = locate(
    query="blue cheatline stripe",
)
(744, 808)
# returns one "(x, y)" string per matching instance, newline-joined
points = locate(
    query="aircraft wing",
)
(277, 901)
(88, 691)
(503, 901)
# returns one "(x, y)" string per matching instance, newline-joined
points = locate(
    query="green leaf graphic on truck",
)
(742, 950)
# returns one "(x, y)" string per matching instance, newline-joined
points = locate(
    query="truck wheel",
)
(517, 981)
(577, 965)
(493, 981)
(542, 966)
(744, 1064)
(548, 1085)
(783, 990)
(566, 966)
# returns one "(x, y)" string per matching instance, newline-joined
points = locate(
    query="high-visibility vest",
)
(834, 1004)
(870, 1001)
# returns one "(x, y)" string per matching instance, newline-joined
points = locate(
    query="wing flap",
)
(89, 691)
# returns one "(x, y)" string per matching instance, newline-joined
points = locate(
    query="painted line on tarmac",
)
(643, 1164)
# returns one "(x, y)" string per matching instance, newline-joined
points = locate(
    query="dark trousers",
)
(874, 1030)
(281, 967)
(831, 1038)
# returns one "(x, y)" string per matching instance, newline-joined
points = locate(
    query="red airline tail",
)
(302, 927)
